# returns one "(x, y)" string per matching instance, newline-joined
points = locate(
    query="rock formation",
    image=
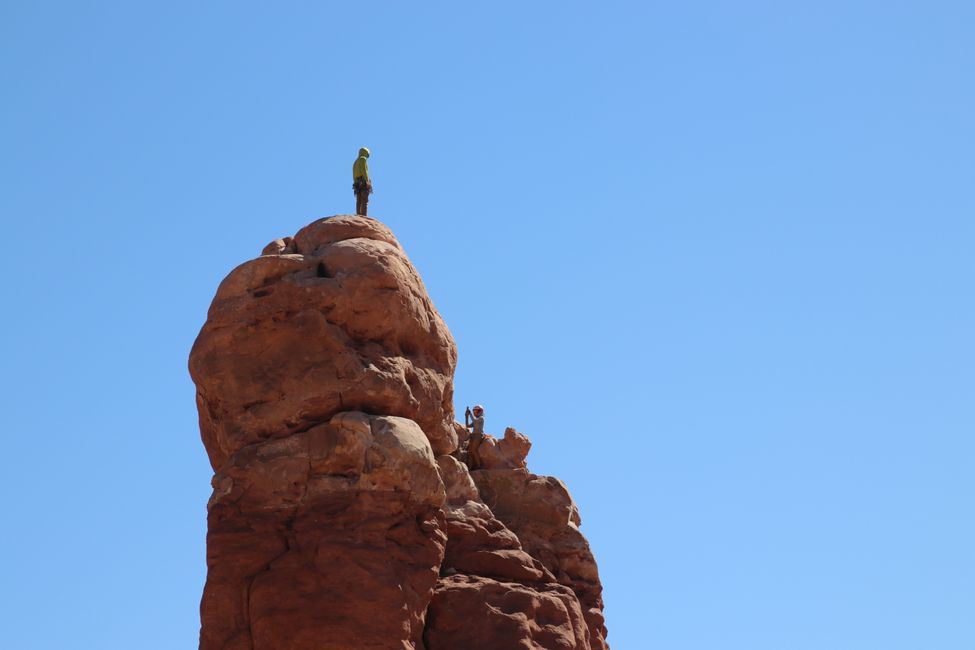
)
(343, 515)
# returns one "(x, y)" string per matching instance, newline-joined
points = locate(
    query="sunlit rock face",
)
(335, 320)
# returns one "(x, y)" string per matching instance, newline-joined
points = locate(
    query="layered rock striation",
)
(343, 512)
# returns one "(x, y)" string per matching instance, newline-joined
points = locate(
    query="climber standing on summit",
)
(361, 183)
(474, 420)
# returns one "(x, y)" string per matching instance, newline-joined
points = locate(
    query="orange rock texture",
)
(343, 514)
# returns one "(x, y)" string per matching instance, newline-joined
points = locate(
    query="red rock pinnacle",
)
(342, 516)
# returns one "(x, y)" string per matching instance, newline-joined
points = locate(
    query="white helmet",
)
(478, 407)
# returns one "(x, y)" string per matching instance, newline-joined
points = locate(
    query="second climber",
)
(474, 420)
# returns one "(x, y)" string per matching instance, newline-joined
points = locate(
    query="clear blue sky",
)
(714, 258)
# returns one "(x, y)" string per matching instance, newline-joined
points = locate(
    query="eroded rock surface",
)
(342, 514)
(329, 538)
(482, 614)
(540, 511)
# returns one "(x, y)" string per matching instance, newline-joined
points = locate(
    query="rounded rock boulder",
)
(334, 319)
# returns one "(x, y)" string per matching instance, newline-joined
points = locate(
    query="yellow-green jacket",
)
(360, 168)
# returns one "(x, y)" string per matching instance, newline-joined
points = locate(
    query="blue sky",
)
(714, 258)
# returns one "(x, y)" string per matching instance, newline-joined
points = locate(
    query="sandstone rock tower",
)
(343, 515)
